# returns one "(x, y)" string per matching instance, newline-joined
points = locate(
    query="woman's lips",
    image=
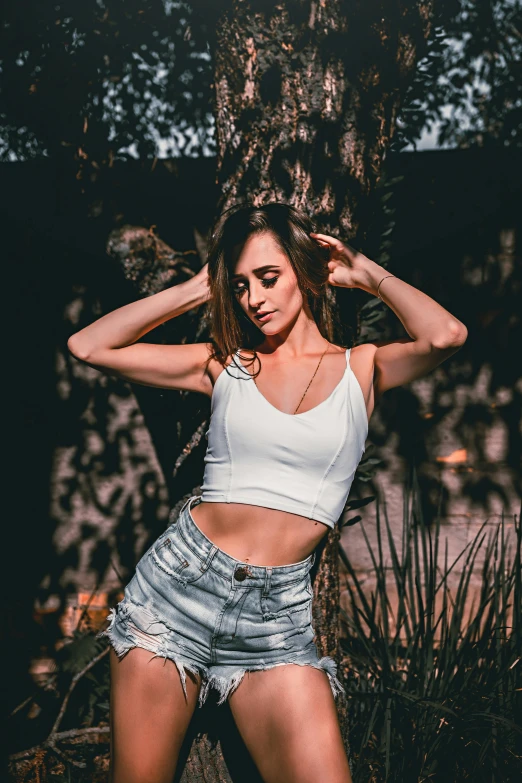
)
(264, 318)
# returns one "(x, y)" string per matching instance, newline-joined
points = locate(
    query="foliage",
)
(434, 676)
(469, 81)
(96, 77)
(93, 79)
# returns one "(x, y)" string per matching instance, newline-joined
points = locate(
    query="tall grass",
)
(434, 682)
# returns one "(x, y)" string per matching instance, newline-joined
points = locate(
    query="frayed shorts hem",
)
(182, 662)
(227, 685)
(224, 685)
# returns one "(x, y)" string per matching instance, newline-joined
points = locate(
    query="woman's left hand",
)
(347, 267)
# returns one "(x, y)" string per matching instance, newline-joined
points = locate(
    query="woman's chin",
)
(268, 328)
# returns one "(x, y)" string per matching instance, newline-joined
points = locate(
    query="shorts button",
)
(241, 573)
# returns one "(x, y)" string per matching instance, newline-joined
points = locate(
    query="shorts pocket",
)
(171, 554)
(287, 599)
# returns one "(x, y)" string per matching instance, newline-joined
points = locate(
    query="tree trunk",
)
(307, 96)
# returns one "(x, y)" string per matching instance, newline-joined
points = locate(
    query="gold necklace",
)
(311, 379)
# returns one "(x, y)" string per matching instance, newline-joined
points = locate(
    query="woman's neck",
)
(301, 338)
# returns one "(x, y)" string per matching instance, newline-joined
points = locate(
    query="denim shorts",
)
(214, 615)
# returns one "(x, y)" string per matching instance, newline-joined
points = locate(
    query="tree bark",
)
(307, 96)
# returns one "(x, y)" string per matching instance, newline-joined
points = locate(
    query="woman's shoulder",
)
(361, 358)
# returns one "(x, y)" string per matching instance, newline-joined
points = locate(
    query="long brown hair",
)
(230, 327)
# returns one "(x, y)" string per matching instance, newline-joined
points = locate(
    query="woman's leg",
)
(288, 721)
(149, 716)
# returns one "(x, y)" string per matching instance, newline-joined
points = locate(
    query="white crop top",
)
(303, 463)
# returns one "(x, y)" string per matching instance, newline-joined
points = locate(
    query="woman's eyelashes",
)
(266, 282)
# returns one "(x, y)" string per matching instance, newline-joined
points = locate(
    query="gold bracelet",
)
(384, 278)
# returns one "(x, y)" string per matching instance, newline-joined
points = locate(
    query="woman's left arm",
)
(436, 333)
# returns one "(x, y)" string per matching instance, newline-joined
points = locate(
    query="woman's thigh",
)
(149, 716)
(288, 721)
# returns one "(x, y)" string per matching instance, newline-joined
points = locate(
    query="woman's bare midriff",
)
(257, 535)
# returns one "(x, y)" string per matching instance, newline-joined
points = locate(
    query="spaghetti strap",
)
(240, 370)
(234, 368)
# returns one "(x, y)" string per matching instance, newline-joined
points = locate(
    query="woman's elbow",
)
(453, 336)
(77, 348)
(459, 334)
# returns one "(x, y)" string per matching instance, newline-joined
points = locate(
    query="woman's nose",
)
(256, 296)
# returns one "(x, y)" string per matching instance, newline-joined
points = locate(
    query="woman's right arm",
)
(109, 344)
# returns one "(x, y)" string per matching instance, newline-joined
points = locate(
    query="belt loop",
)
(207, 561)
(313, 558)
(268, 577)
(185, 504)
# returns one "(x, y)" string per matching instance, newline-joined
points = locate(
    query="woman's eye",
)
(266, 282)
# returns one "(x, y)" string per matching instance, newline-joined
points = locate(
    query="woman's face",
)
(263, 281)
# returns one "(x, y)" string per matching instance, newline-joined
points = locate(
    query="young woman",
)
(224, 594)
